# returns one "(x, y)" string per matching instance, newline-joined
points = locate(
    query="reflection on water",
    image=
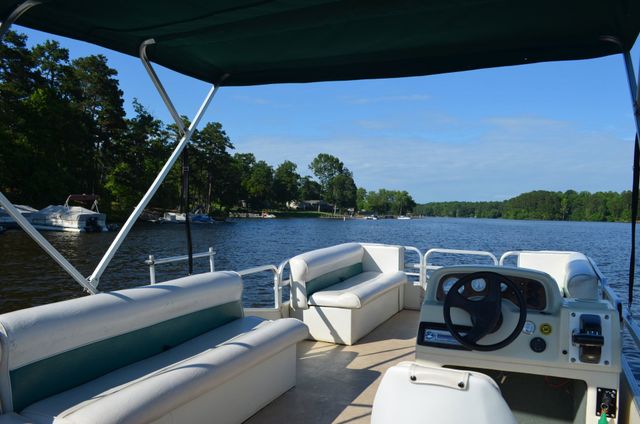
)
(29, 277)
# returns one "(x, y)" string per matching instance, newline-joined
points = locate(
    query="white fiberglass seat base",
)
(411, 393)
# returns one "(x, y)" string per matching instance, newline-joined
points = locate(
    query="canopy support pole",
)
(634, 91)
(94, 279)
(156, 81)
(17, 12)
(5, 25)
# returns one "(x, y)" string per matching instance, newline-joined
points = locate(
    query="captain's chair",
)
(574, 273)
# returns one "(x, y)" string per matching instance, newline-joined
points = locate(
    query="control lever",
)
(589, 338)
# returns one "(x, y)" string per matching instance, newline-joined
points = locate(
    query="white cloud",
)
(251, 100)
(510, 155)
(396, 98)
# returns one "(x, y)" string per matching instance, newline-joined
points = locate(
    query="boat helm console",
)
(515, 325)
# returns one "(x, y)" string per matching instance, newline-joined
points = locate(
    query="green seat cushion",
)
(333, 277)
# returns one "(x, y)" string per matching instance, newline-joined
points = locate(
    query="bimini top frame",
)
(253, 43)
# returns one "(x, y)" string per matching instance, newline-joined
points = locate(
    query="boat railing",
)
(421, 274)
(430, 266)
(277, 279)
(630, 327)
(153, 261)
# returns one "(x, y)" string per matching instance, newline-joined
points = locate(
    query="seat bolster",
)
(310, 265)
(154, 395)
(81, 321)
(357, 291)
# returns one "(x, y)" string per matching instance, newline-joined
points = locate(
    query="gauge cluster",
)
(533, 290)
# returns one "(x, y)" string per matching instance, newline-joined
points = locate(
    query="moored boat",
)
(181, 218)
(8, 222)
(74, 219)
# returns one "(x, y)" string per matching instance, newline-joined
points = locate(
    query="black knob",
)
(538, 344)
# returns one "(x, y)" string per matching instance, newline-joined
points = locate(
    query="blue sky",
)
(479, 135)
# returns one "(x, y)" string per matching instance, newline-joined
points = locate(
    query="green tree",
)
(212, 160)
(97, 94)
(244, 162)
(285, 183)
(259, 185)
(309, 189)
(138, 158)
(362, 203)
(326, 167)
(341, 191)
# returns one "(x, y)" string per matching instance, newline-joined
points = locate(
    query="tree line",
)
(541, 205)
(63, 129)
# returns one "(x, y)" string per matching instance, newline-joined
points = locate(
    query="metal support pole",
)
(152, 269)
(277, 296)
(212, 266)
(17, 12)
(634, 88)
(38, 238)
(115, 245)
(156, 81)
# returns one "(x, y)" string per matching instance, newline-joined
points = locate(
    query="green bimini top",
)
(285, 41)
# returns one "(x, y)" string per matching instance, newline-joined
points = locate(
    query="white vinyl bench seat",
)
(359, 290)
(343, 292)
(173, 352)
(166, 383)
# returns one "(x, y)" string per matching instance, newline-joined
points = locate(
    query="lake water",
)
(29, 277)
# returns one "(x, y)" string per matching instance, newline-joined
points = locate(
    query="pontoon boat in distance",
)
(7, 222)
(538, 342)
(75, 219)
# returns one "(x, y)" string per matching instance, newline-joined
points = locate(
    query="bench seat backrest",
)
(52, 348)
(572, 271)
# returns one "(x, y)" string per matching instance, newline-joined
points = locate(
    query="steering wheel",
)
(486, 313)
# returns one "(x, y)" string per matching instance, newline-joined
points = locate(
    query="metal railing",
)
(430, 267)
(277, 278)
(152, 261)
(421, 274)
(515, 253)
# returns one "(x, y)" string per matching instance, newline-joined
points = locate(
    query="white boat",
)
(174, 218)
(74, 219)
(364, 335)
(180, 218)
(8, 222)
(404, 217)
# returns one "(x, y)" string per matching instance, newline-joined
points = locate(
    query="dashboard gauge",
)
(449, 282)
(478, 285)
(529, 328)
